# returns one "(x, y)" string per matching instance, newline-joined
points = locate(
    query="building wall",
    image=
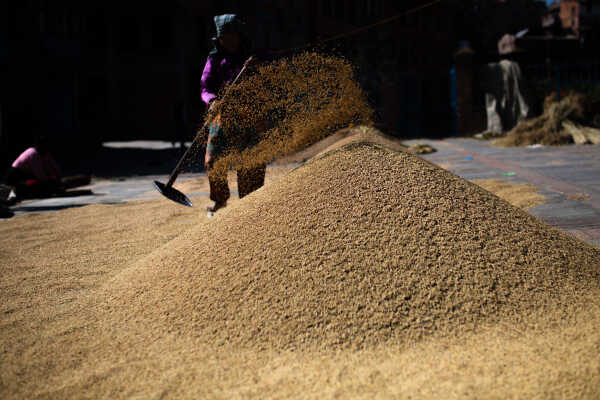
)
(404, 65)
(83, 73)
(86, 72)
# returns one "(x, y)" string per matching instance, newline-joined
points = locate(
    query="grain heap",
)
(361, 133)
(358, 247)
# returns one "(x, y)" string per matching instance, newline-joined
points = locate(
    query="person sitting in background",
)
(36, 174)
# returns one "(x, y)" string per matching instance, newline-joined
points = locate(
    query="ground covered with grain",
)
(522, 195)
(365, 272)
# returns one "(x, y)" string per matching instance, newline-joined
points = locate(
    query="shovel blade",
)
(172, 194)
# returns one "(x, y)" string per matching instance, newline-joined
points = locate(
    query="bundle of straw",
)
(547, 129)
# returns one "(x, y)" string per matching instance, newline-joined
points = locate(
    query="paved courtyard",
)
(569, 176)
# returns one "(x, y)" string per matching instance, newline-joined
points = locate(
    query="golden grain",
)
(364, 273)
(305, 98)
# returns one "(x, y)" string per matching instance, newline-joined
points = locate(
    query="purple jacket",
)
(219, 71)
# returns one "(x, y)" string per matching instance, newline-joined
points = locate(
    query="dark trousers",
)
(248, 181)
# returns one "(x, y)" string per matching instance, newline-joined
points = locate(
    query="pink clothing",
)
(219, 71)
(42, 167)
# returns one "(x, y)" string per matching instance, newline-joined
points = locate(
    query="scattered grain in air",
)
(303, 98)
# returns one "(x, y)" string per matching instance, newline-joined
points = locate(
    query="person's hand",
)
(212, 108)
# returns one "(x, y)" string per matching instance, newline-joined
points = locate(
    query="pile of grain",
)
(342, 138)
(359, 247)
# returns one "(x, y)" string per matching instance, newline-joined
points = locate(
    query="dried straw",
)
(547, 129)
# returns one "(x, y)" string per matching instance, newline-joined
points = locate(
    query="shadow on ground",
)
(110, 162)
(46, 208)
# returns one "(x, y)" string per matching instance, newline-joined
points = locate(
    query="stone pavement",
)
(106, 191)
(569, 176)
(122, 171)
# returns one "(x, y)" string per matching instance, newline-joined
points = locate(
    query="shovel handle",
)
(189, 152)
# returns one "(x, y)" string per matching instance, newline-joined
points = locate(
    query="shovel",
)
(168, 190)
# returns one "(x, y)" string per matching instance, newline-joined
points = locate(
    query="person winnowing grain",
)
(225, 61)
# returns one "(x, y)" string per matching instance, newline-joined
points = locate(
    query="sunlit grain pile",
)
(387, 277)
(556, 126)
(342, 138)
(359, 247)
(301, 99)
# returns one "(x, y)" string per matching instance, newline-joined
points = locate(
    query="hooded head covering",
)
(228, 23)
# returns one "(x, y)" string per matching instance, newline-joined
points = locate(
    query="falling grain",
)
(301, 99)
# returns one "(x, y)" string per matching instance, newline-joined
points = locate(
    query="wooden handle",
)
(209, 118)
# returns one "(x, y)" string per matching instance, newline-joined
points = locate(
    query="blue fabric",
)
(227, 23)
(236, 140)
(217, 141)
